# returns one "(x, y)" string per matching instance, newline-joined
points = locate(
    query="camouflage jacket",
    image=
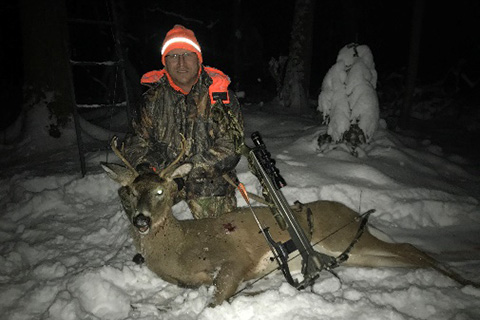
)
(213, 132)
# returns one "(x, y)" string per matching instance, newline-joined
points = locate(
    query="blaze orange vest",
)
(218, 90)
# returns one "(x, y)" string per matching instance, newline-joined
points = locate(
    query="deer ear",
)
(118, 173)
(182, 171)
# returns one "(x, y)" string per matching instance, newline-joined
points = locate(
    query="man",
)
(190, 100)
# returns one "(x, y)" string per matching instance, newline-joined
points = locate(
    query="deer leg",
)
(380, 258)
(229, 277)
(372, 252)
(423, 259)
(376, 253)
(138, 258)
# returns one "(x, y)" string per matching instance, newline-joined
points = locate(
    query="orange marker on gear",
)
(243, 192)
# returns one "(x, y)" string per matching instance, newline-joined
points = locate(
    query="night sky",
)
(450, 37)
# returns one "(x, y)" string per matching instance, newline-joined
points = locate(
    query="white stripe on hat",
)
(180, 39)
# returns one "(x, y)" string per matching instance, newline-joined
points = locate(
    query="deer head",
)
(146, 198)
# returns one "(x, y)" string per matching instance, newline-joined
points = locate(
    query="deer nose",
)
(142, 223)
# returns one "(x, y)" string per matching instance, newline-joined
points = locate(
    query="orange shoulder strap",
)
(155, 76)
(152, 76)
(219, 88)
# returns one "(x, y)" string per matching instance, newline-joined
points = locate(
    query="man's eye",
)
(185, 55)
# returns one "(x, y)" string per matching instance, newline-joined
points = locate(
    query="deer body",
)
(190, 252)
(228, 250)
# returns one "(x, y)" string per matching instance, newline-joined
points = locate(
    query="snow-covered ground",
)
(66, 253)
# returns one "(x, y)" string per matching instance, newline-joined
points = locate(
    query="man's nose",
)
(181, 60)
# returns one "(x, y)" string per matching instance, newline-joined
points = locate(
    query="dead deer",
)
(228, 250)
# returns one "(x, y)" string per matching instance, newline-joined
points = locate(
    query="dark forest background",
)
(241, 38)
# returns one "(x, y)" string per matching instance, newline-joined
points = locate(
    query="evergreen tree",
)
(348, 100)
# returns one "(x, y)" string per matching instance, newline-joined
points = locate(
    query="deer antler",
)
(113, 144)
(177, 159)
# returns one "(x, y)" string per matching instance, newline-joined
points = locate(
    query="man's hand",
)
(197, 173)
(143, 168)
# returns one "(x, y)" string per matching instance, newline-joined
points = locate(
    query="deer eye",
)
(159, 192)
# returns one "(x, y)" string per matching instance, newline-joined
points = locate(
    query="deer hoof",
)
(138, 259)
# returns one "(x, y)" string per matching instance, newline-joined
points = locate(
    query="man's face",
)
(183, 67)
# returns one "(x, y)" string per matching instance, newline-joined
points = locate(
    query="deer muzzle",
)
(142, 223)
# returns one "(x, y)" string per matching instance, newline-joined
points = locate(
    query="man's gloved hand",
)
(197, 173)
(180, 183)
(155, 157)
(157, 150)
(143, 168)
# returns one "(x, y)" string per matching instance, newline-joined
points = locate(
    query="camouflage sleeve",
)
(223, 156)
(141, 148)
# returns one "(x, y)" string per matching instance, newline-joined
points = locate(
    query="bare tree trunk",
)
(413, 61)
(237, 59)
(11, 67)
(297, 77)
(45, 54)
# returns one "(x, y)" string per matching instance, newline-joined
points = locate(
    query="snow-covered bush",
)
(348, 99)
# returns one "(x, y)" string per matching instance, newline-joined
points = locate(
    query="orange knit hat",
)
(180, 37)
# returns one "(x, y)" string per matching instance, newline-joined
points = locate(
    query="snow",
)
(66, 253)
(348, 93)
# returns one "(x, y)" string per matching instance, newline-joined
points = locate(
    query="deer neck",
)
(162, 238)
(167, 227)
